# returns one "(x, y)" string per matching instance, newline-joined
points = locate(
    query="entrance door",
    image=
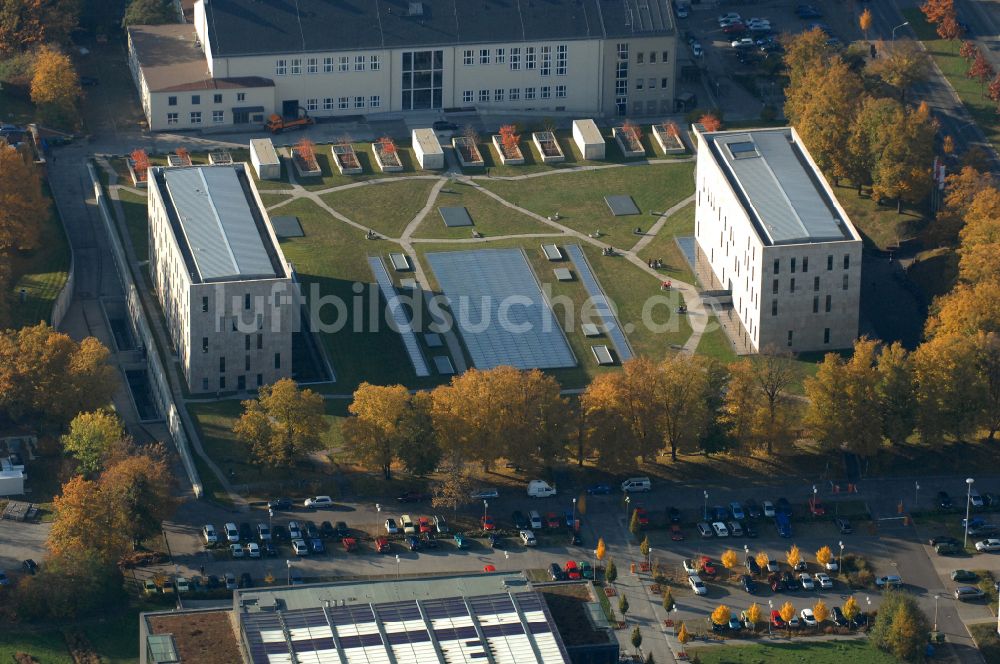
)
(290, 108)
(241, 117)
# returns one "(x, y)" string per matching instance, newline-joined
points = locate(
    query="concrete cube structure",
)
(265, 159)
(427, 148)
(588, 139)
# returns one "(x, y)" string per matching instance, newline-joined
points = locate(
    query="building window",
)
(204, 344)
(172, 118)
(217, 99)
(815, 304)
(359, 102)
(560, 91)
(500, 58)
(241, 96)
(195, 100)
(774, 286)
(375, 63)
(296, 66)
(281, 67)
(204, 385)
(343, 63)
(621, 87)
(218, 117)
(467, 57)
(484, 56)
(640, 58)
(529, 93)
(241, 381)
(546, 91)
(222, 382)
(845, 282)
(222, 364)
(277, 360)
(829, 303)
(774, 307)
(665, 56)
(805, 263)
(467, 96)
(815, 283)
(623, 51)
(664, 82)
(343, 102)
(328, 65)
(204, 304)
(359, 63)
(529, 57)
(246, 343)
(789, 337)
(847, 261)
(484, 95)
(514, 94)
(651, 84)
(652, 57)
(312, 104)
(260, 341)
(246, 362)
(777, 265)
(498, 94)
(793, 266)
(423, 80)
(312, 65)
(260, 380)
(791, 287)
(328, 103)
(829, 262)
(546, 68)
(640, 83)
(375, 101)
(195, 117)
(171, 101)
(515, 58)
(826, 335)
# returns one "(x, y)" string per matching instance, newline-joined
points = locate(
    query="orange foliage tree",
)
(306, 151)
(55, 87)
(982, 71)
(672, 129)
(968, 50)
(22, 203)
(509, 139)
(140, 163)
(710, 122)
(386, 145)
(937, 11)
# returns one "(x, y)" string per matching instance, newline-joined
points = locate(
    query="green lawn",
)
(714, 343)
(48, 647)
(40, 273)
(986, 638)
(386, 207)
(954, 67)
(664, 247)
(116, 640)
(578, 197)
(270, 200)
(15, 102)
(814, 652)
(880, 225)
(491, 218)
(137, 222)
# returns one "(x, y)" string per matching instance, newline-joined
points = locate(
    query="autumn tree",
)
(993, 89)
(762, 560)
(757, 409)
(851, 609)
(868, 138)
(787, 611)
(22, 203)
(149, 12)
(721, 615)
(683, 636)
(47, 377)
(454, 489)
(961, 188)
(92, 437)
(710, 122)
(820, 612)
(729, 560)
(901, 628)
(949, 28)
(683, 398)
(968, 50)
(754, 614)
(805, 55)
(949, 388)
(903, 170)
(987, 346)
(73, 584)
(900, 64)
(601, 549)
(865, 22)
(793, 556)
(282, 423)
(27, 23)
(966, 310)
(644, 548)
(55, 87)
(982, 71)
(980, 237)
(896, 397)
(824, 555)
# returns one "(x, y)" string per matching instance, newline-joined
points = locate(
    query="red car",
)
(351, 544)
(642, 515)
(708, 568)
(675, 532)
(552, 520)
(735, 29)
(486, 522)
(382, 544)
(424, 525)
(571, 570)
(489, 568)
(816, 508)
(777, 620)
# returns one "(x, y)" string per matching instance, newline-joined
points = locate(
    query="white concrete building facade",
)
(222, 281)
(776, 241)
(245, 59)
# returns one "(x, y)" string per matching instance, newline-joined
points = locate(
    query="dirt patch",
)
(204, 637)
(80, 649)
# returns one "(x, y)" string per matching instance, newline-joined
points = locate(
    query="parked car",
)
(326, 530)
(253, 550)
(391, 527)
(427, 541)
(963, 575)
(783, 506)
(838, 617)
(735, 529)
(407, 523)
(772, 565)
(246, 532)
(734, 29)
(460, 542)
(675, 532)
(232, 533)
(294, 530)
(316, 545)
(808, 617)
(440, 525)
(720, 529)
(280, 504)
(318, 502)
(263, 532)
(777, 620)
(708, 567)
(424, 525)
(769, 510)
(495, 541)
(555, 572)
(968, 593)
(719, 513)
(748, 584)
(806, 581)
(975, 499)
(988, 545)
(689, 566)
(299, 547)
(341, 529)
(752, 566)
(236, 550)
(535, 520)
(571, 571)
(209, 535)
(230, 580)
(824, 580)
(295, 576)
(528, 538)
(788, 581)
(697, 585)
(279, 532)
(742, 42)
(704, 529)
(412, 497)
(944, 500)
(552, 520)
(843, 525)
(600, 489)
(246, 581)
(519, 519)
(696, 49)
(890, 581)
(268, 549)
(948, 549)
(486, 493)
(642, 516)
(586, 571)
(942, 539)
(752, 509)
(816, 508)
(412, 543)
(731, 16)
(382, 544)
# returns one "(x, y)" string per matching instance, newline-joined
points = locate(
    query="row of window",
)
(805, 263)
(340, 63)
(828, 307)
(248, 342)
(791, 285)
(241, 382)
(650, 84)
(826, 336)
(640, 57)
(512, 58)
(512, 94)
(341, 103)
(222, 359)
(196, 99)
(218, 117)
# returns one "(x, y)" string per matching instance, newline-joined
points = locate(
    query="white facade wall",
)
(173, 110)
(779, 292)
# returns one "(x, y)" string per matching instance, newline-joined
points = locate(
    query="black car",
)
(673, 515)
(326, 530)
(555, 572)
(246, 532)
(497, 542)
(279, 532)
(427, 541)
(412, 497)
(212, 582)
(944, 500)
(520, 522)
(311, 531)
(839, 617)
(748, 584)
(774, 581)
(752, 509)
(752, 566)
(843, 525)
(342, 529)
(942, 539)
(280, 504)
(412, 543)
(783, 506)
(268, 549)
(30, 566)
(246, 581)
(575, 539)
(749, 530)
(719, 513)
(444, 125)
(316, 545)
(789, 581)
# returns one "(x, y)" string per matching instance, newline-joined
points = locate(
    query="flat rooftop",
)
(218, 223)
(784, 196)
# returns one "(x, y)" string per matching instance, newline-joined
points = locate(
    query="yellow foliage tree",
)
(22, 203)
(820, 612)
(55, 86)
(762, 560)
(601, 550)
(851, 609)
(754, 614)
(865, 21)
(787, 611)
(721, 615)
(793, 556)
(824, 555)
(281, 423)
(730, 560)
(682, 634)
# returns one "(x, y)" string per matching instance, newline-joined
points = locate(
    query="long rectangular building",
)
(776, 242)
(243, 60)
(221, 278)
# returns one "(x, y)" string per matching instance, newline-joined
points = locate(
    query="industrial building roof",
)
(781, 191)
(258, 27)
(222, 231)
(489, 617)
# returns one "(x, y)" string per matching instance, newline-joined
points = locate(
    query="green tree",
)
(636, 638)
(622, 605)
(282, 423)
(149, 12)
(901, 627)
(634, 525)
(92, 437)
(668, 601)
(644, 547)
(611, 572)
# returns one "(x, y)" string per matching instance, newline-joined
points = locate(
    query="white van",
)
(540, 489)
(536, 520)
(634, 484)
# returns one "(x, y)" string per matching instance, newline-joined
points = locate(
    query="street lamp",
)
(770, 606)
(288, 580)
(378, 511)
(506, 557)
(897, 28)
(916, 494)
(869, 612)
(485, 507)
(840, 563)
(706, 505)
(968, 504)
(397, 567)
(628, 499)
(936, 598)
(574, 511)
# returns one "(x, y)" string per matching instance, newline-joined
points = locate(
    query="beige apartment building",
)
(782, 256)
(221, 278)
(243, 60)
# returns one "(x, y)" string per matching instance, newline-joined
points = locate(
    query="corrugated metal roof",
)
(218, 224)
(768, 168)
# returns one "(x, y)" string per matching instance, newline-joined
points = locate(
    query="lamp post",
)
(378, 512)
(397, 567)
(813, 508)
(506, 557)
(936, 598)
(916, 494)
(868, 613)
(770, 606)
(706, 505)
(628, 499)
(897, 28)
(968, 504)
(574, 512)
(840, 563)
(486, 506)
(288, 578)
